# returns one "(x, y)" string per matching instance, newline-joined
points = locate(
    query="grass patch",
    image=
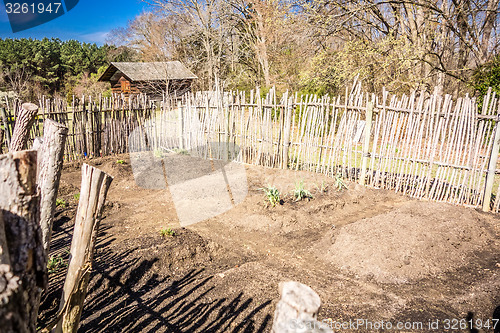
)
(62, 203)
(55, 264)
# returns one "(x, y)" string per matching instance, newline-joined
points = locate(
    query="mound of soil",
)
(184, 251)
(417, 240)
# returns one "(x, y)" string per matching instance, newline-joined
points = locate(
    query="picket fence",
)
(426, 146)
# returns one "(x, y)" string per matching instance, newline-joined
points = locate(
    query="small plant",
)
(158, 153)
(323, 188)
(272, 195)
(300, 193)
(167, 232)
(76, 196)
(339, 182)
(61, 202)
(120, 162)
(55, 264)
(181, 151)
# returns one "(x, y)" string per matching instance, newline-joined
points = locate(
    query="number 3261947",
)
(32, 8)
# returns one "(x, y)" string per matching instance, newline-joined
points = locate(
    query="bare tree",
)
(448, 37)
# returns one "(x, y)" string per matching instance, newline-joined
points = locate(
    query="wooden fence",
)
(423, 145)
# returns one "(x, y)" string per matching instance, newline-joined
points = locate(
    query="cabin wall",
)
(126, 87)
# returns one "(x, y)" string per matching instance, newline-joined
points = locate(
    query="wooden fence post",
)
(50, 163)
(5, 121)
(12, 311)
(95, 185)
(25, 269)
(2, 135)
(297, 310)
(286, 137)
(366, 142)
(24, 122)
(180, 126)
(492, 165)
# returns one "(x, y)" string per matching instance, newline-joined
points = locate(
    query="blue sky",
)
(90, 21)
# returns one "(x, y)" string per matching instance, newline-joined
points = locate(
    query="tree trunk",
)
(489, 23)
(25, 271)
(24, 122)
(262, 50)
(95, 184)
(50, 163)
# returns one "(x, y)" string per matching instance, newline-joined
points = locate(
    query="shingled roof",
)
(148, 71)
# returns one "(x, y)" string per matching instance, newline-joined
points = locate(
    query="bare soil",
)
(370, 254)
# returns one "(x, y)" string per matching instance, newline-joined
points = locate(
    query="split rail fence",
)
(425, 146)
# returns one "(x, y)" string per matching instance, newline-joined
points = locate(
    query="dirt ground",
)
(370, 254)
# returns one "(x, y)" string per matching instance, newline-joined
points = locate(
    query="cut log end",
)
(30, 107)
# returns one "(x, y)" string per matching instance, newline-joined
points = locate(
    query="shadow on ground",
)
(129, 293)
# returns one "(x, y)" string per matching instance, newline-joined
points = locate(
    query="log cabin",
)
(150, 78)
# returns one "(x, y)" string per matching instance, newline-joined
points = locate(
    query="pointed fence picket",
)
(422, 145)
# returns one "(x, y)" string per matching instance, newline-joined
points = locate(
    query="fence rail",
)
(423, 145)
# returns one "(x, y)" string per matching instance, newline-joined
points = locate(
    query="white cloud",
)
(98, 37)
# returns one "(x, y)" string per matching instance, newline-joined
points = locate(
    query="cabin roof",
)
(147, 71)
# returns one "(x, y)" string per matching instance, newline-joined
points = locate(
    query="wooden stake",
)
(366, 143)
(288, 126)
(5, 121)
(95, 185)
(490, 177)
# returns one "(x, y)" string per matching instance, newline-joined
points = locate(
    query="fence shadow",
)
(127, 295)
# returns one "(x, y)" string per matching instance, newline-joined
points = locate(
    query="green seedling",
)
(55, 264)
(323, 188)
(158, 153)
(167, 232)
(300, 193)
(76, 196)
(120, 162)
(61, 202)
(339, 182)
(272, 195)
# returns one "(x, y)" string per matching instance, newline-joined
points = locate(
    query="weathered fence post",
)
(5, 121)
(95, 185)
(12, 311)
(286, 137)
(24, 122)
(366, 142)
(180, 125)
(25, 270)
(50, 163)
(492, 165)
(2, 135)
(297, 310)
